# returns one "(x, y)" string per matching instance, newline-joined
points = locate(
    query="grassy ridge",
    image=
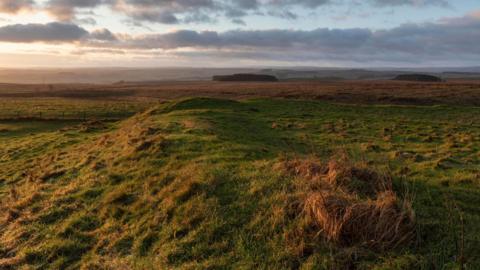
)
(190, 184)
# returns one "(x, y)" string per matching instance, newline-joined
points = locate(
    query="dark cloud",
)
(102, 35)
(206, 11)
(195, 11)
(84, 21)
(390, 3)
(154, 16)
(449, 39)
(51, 32)
(65, 9)
(305, 3)
(322, 39)
(238, 21)
(170, 11)
(14, 6)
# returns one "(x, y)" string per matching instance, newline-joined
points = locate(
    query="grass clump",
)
(382, 223)
(352, 205)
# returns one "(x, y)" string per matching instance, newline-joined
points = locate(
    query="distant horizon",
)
(108, 75)
(393, 68)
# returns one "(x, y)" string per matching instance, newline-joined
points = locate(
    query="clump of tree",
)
(245, 78)
(418, 78)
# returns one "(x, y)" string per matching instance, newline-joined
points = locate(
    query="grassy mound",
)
(190, 185)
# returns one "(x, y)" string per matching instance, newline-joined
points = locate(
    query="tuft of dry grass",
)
(382, 223)
(351, 204)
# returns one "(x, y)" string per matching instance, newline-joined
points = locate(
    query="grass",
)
(455, 92)
(55, 108)
(195, 183)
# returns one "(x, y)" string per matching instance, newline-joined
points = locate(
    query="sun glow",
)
(25, 17)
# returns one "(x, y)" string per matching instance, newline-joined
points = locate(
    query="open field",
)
(387, 92)
(118, 101)
(69, 109)
(239, 134)
(189, 184)
(208, 183)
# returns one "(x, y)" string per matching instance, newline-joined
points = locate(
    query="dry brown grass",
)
(10, 263)
(351, 204)
(369, 92)
(382, 223)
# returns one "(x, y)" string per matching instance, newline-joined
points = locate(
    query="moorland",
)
(369, 174)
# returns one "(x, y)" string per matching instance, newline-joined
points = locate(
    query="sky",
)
(239, 33)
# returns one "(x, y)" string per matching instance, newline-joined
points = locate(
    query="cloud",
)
(170, 11)
(14, 6)
(102, 35)
(469, 19)
(305, 3)
(417, 3)
(195, 11)
(51, 32)
(474, 14)
(207, 11)
(56, 32)
(444, 41)
(65, 9)
(319, 39)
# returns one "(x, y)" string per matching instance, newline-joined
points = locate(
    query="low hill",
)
(418, 78)
(245, 78)
(220, 184)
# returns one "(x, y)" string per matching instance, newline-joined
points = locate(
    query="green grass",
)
(64, 108)
(189, 185)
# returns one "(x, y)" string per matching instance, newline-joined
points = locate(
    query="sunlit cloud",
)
(83, 28)
(15, 6)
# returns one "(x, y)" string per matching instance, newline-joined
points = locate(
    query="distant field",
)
(112, 75)
(64, 109)
(363, 92)
(206, 183)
